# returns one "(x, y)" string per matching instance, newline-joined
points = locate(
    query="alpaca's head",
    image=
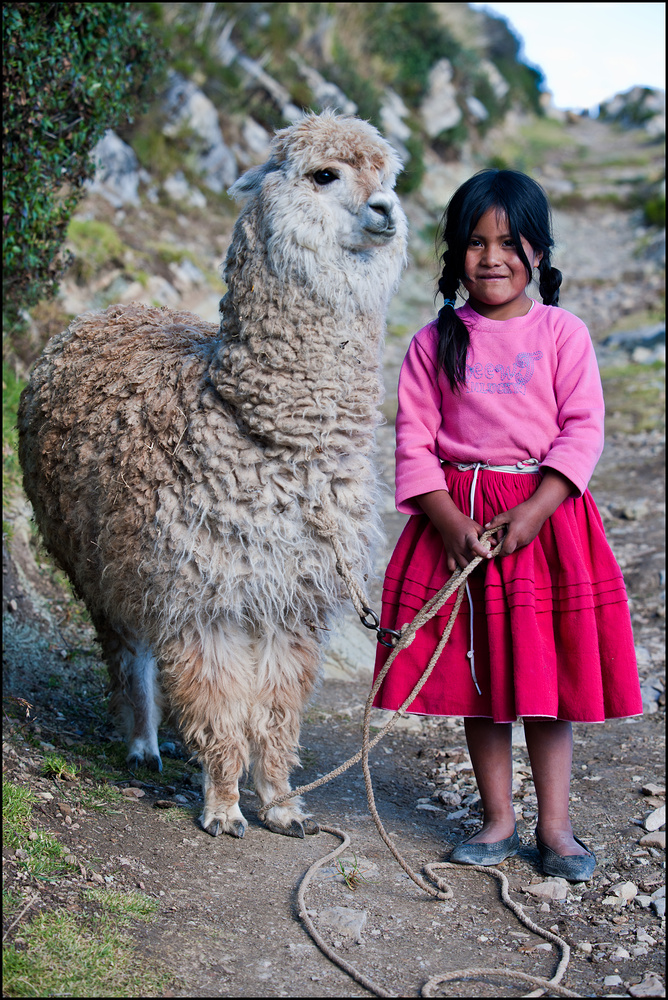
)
(330, 217)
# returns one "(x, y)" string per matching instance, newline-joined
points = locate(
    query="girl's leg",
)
(550, 746)
(490, 748)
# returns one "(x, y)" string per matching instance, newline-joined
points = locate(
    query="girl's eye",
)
(324, 177)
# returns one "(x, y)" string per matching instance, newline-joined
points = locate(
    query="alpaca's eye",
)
(324, 177)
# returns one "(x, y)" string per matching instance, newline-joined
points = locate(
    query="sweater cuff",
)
(415, 488)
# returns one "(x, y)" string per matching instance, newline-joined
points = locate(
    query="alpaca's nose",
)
(379, 214)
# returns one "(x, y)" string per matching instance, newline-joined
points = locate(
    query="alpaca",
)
(178, 471)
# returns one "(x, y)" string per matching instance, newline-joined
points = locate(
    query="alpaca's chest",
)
(242, 540)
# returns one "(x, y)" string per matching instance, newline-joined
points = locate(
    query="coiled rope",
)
(326, 526)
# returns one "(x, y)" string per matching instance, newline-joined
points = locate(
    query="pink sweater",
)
(532, 390)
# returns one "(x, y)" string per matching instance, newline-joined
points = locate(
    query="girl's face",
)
(496, 278)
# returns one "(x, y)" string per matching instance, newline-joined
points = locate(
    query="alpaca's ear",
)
(251, 182)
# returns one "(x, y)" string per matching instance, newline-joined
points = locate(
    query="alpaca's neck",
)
(295, 372)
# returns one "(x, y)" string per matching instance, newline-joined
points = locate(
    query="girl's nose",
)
(491, 255)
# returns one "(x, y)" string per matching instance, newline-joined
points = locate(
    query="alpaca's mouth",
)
(385, 233)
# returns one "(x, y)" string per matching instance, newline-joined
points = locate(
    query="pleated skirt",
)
(551, 625)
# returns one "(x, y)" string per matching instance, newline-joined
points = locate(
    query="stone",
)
(439, 110)
(117, 172)
(345, 922)
(655, 839)
(619, 954)
(659, 907)
(612, 981)
(649, 987)
(178, 189)
(585, 946)
(651, 789)
(349, 655)
(656, 819)
(450, 799)
(188, 108)
(133, 793)
(626, 891)
(547, 890)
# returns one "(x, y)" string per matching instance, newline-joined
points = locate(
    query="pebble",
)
(133, 793)
(612, 981)
(655, 839)
(651, 789)
(650, 987)
(656, 819)
(428, 806)
(659, 907)
(345, 921)
(450, 799)
(626, 891)
(547, 890)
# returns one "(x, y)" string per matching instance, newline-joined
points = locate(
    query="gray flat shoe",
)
(486, 854)
(574, 867)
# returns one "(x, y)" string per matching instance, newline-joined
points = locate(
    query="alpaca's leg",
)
(208, 678)
(136, 699)
(287, 668)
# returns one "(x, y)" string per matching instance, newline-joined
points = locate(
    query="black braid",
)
(550, 281)
(453, 335)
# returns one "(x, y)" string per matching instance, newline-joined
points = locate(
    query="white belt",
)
(530, 465)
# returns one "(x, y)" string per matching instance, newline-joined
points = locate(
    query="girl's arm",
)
(525, 521)
(460, 533)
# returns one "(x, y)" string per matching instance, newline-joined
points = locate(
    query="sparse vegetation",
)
(65, 956)
(71, 70)
(37, 852)
(55, 766)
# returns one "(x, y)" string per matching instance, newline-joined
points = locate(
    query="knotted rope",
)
(326, 526)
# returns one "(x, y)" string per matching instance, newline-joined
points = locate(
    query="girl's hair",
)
(527, 209)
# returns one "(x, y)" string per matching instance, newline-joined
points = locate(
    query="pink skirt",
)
(551, 626)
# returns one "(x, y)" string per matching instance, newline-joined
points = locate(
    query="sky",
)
(590, 51)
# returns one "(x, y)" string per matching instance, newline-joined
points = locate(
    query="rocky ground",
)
(226, 921)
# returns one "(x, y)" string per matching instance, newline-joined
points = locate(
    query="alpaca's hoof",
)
(151, 761)
(310, 827)
(235, 828)
(293, 829)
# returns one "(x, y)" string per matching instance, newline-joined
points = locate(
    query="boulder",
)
(439, 110)
(188, 108)
(117, 171)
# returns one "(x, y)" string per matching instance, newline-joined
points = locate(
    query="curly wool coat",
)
(176, 468)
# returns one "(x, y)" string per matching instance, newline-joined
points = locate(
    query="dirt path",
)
(226, 923)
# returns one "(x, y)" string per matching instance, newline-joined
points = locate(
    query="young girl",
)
(500, 425)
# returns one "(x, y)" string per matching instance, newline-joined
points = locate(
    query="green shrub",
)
(71, 71)
(655, 211)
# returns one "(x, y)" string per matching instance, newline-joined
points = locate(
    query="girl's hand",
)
(522, 525)
(460, 534)
(461, 541)
(525, 521)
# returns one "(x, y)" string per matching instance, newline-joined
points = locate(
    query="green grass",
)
(62, 956)
(634, 397)
(124, 906)
(43, 856)
(55, 766)
(531, 145)
(12, 387)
